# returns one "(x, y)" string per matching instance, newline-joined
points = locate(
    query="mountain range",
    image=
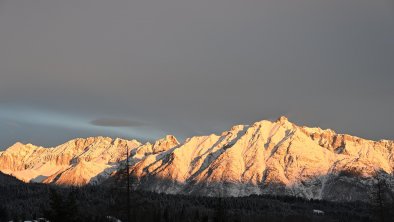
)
(266, 157)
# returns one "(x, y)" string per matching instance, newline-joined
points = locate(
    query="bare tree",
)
(123, 188)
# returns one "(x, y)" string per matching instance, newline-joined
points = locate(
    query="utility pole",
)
(380, 199)
(128, 183)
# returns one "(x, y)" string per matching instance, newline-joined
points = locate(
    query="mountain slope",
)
(270, 157)
(267, 157)
(37, 164)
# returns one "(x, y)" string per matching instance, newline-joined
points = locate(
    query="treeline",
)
(95, 203)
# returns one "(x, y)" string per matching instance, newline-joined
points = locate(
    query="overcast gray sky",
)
(146, 68)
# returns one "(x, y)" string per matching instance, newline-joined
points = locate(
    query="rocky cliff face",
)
(76, 162)
(267, 157)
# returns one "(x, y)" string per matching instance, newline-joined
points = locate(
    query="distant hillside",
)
(95, 203)
(6, 180)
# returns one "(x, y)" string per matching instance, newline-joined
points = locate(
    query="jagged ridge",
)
(265, 157)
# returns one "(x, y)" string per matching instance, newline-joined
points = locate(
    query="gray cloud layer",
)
(195, 67)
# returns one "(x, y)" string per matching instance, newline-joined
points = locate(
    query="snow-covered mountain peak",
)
(169, 141)
(275, 157)
(282, 119)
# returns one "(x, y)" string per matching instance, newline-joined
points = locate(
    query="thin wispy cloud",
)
(40, 123)
(113, 122)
